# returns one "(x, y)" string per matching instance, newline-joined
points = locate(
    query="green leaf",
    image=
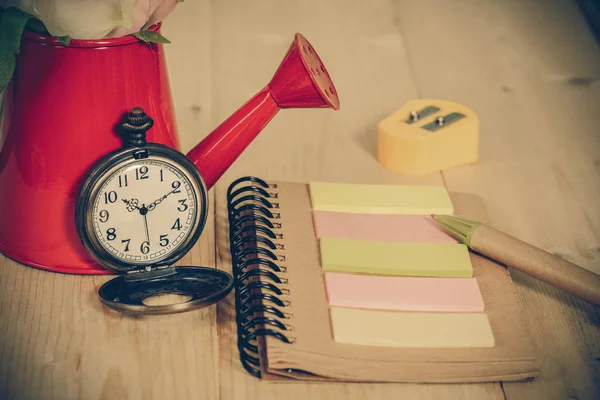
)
(150, 36)
(12, 24)
(64, 39)
(38, 26)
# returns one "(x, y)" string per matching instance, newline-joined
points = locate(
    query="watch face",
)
(144, 211)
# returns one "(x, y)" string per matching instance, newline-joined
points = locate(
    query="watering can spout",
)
(301, 81)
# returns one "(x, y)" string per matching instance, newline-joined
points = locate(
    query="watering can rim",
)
(32, 36)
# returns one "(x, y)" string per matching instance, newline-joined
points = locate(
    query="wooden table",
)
(530, 69)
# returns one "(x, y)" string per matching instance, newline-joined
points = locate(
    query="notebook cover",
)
(314, 355)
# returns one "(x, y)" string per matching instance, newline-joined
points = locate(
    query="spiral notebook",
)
(284, 320)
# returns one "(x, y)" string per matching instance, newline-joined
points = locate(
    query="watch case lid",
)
(204, 286)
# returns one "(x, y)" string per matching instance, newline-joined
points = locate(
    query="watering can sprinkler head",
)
(301, 81)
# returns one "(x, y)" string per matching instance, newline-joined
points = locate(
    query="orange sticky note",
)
(403, 293)
(395, 228)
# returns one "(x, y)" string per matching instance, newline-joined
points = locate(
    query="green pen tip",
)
(460, 228)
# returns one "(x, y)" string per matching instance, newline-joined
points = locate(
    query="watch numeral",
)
(175, 185)
(127, 245)
(104, 216)
(140, 173)
(164, 241)
(110, 197)
(183, 206)
(177, 225)
(122, 180)
(161, 175)
(145, 248)
(111, 234)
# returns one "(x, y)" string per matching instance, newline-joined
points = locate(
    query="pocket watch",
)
(140, 209)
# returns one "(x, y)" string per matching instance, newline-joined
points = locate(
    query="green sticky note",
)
(395, 258)
(380, 199)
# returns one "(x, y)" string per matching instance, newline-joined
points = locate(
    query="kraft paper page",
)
(395, 258)
(403, 294)
(380, 199)
(415, 330)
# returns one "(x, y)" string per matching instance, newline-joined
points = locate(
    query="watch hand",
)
(144, 211)
(157, 202)
(147, 233)
(131, 204)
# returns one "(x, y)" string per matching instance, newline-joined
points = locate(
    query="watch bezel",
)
(95, 179)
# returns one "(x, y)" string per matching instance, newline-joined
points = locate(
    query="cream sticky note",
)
(403, 293)
(380, 199)
(411, 329)
(395, 228)
(395, 258)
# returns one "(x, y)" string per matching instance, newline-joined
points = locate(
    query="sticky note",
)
(403, 293)
(411, 329)
(380, 199)
(395, 228)
(395, 258)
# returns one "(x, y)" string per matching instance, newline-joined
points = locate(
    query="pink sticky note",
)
(403, 293)
(398, 228)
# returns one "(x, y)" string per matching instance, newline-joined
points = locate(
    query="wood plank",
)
(530, 70)
(58, 342)
(364, 52)
(304, 144)
(189, 66)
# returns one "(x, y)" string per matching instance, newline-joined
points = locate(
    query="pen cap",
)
(460, 228)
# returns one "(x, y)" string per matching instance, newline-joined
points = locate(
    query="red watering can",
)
(60, 116)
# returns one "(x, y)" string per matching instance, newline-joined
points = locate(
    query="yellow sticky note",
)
(395, 258)
(380, 199)
(410, 329)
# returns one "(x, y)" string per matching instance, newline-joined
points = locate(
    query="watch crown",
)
(138, 122)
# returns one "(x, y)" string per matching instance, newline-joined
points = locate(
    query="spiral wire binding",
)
(255, 232)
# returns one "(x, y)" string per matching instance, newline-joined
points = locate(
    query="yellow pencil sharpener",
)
(426, 136)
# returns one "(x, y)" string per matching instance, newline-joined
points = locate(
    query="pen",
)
(524, 257)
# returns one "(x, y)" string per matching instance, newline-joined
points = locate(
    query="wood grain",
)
(58, 342)
(531, 70)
